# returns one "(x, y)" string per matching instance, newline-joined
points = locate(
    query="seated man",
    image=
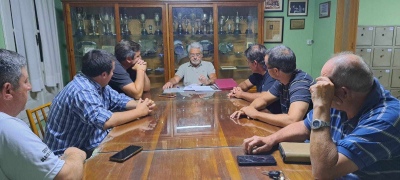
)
(354, 126)
(291, 89)
(23, 155)
(130, 70)
(195, 71)
(84, 111)
(260, 78)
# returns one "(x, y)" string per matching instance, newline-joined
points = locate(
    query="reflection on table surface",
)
(187, 137)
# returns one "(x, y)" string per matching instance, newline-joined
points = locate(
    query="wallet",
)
(292, 152)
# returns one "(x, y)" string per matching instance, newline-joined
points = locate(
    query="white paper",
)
(173, 90)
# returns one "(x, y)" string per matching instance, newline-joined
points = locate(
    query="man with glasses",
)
(260, 78)
(291, 89)
(195, 71)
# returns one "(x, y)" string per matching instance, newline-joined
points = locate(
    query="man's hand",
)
(143, 106)
(322, 92)
(237, 114)
(236, 92)
(204, 80)
(256, 145)
(167, 85)
(140, 65)
(249, 111)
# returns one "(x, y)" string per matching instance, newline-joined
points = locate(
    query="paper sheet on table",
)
(173, 90)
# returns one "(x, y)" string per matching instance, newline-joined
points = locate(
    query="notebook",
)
(295, 152)
(225, 84)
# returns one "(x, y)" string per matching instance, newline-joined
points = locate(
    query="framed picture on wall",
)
(297, 23)
(297, 8)
(273, 5)
(273, 29)
(325, 9)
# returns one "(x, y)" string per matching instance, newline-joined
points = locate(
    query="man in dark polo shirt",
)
(260, 78)
(130, 70)
(291, 89)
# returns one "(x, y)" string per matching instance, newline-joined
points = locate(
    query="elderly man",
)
(23, 155)
(195, 71)
(260, 78)
(354, 127)
(84, 111)
(291, 89)
(129, 75)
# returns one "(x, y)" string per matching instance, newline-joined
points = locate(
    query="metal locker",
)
(396, 78)
(396, 57)
(398, 36)
(382, 57)
(364, 35)
(395, 93)
(384, 36)
(383, 76)
(366, 54)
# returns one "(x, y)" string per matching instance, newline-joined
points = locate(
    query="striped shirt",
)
(296, 90)
(372, 138)
(78, 113)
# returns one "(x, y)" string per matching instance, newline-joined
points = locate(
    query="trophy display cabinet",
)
(164, 29)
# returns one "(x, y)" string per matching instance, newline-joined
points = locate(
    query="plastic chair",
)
(36, 120)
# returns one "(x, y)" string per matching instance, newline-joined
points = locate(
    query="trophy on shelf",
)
(249, 23)
(230, 28)
(237, 21)
(179, 20)
(204, 20)
(192, 21)
(125, 25)
(106, 19)
(222, 21)
(142, 20)
(211, 23)
(186, 25)
(80, 17)
(93, 26)
(157, 20)
(150, 29)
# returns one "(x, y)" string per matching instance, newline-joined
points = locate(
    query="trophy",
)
(157, 20)
(249, 23)
(198, 25)
(93, 26)
(186, 26)
(204, 20)
(222, 21)
(150, 29)
(237, 21)
(125, 25)
(80, 17)
(142, 20)
(106, 20)
(229, 28)
(211, 23)
(179, 20)
(192, 21)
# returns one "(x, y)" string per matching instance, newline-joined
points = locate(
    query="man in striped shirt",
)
(84, 111)
(291, 89)
(354, 128)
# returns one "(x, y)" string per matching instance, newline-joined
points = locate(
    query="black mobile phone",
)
(126, 153)
(256, 160)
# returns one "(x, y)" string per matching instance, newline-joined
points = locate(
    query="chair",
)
(37, 121)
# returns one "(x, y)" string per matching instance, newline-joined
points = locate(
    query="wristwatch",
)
(317, 124)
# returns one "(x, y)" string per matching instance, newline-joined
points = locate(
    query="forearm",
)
(139, 83)
(119, 118)
(73, 166)
(243, 86)
(131, 104)
(323, 150)
(280, 120)
(249, 96)
(295, 132)
(147, 85)
(259, 103)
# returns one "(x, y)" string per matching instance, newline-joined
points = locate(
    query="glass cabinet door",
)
(144, 26)
(191, 24)
(237, 30)
(92, 28)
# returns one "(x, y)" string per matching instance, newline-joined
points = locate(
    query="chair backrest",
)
(36, 120)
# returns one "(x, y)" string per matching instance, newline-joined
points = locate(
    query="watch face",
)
(316, 124)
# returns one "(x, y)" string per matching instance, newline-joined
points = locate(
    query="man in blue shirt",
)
(354, 127)
(83, 112)
(291, 89)
(260, 78)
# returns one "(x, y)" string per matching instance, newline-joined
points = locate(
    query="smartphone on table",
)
(256, 160)
(167, 95)
(126, 153)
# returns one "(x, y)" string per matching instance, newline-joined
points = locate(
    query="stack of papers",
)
(196, 87)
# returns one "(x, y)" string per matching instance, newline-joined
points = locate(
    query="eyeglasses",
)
(195, 55)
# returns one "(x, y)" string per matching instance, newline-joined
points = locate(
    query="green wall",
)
(62, 40)
(379, 13)
(2, 42)
(310, 58)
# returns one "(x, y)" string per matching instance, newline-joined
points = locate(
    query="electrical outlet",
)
(310, 41)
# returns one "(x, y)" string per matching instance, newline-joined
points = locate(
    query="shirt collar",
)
(190, 65)
(91, 81)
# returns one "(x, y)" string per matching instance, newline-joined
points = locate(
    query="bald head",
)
(349, 70)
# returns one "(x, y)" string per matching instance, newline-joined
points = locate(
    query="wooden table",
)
(187, 137)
